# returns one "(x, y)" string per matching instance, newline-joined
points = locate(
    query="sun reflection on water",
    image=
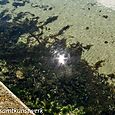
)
(61, 57)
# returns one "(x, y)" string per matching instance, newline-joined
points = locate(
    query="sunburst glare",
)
(62, 59)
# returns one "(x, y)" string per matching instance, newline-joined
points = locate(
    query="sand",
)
(10, 104)
(97, 16)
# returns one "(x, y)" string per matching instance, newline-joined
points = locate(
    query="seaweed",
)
(50, 20)
(87, 47)
(98, 64)
(112, 76)
(3, 13)
(63, 30)
(44, 7)
(5, 17)
(22, 15)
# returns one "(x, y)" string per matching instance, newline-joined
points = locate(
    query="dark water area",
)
(19, 3)
(15, 3)
(36, 74)
(4, 2)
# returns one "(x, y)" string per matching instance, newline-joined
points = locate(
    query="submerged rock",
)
(18, 3)
(3, 2)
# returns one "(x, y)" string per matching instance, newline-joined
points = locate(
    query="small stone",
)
(106, 42)
(50, 8)
(19, 74)
(105, 16)
(4, 70)
(88, 8)
(87, 28)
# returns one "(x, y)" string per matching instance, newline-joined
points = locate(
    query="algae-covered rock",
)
(4, 69)
(19, 74)
(2, 63)
(22, 39)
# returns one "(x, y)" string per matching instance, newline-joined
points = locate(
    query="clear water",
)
(81, 14)
(38, 70)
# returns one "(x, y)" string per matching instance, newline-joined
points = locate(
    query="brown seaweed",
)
(63, 29)
(98, 64)
(87, 47)
(112, 76)
(50, 20)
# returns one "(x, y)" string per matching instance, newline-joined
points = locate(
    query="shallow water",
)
(37, 65)
(91, 23)
(107, 3)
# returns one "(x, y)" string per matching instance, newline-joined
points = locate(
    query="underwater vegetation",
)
(29, 69)
(4, 2)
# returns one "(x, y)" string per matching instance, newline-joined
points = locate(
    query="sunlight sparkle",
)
(61, 59)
